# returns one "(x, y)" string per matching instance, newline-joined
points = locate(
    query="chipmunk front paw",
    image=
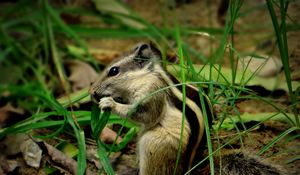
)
(107, 103)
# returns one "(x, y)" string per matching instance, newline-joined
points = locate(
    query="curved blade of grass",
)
(9, 10)
(125, 140)
(235, 6)
(224, 76)
(295, 158)
(229, 122)
(38, 121)
(95, 117)
(183, 79)
(56, 58)
(278, 138)
(101, 152)
(281, 36)
(80, 96)
(81, 157)
(55, 16)
(204, 114)
(98, 122)
(30, 91)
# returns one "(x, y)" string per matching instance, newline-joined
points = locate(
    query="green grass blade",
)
(204, 114)
(98, 122)
(95, 117)
(278, 138)
(81, 157)
(280, 31)
(183, 80)
(125, 140)
(104, 159)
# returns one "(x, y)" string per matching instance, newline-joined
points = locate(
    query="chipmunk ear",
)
(146, 52)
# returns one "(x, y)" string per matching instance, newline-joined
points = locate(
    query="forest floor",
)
(249, 38)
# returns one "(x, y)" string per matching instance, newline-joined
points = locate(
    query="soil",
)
(249, 38)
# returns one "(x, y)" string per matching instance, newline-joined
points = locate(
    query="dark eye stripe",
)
(113, 71)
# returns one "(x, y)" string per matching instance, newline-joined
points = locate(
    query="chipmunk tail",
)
(244, 164)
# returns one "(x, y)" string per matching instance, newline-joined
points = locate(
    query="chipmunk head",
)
(125, 76)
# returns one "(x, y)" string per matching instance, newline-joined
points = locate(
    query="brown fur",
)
(140, 91)
(160, 138)
(244, 164)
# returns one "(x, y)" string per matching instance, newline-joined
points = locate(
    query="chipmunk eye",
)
(113, 71)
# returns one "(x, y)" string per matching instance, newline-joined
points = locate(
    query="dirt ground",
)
(249, 38)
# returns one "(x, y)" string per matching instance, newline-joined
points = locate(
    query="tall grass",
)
(281, 36)
(34, 45)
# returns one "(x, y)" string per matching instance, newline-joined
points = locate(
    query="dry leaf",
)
(114, 6)
(101, 55)
(108, 136)
(59, 157)
(11, 144)
(32, 153)
(81, 74)
(104, 56)
(9, 113)
(265, 66)
(7, 166)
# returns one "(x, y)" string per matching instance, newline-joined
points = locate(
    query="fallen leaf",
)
(263, 66)
(81, 74)
(108, 136)
(59, 157)
(31, 152)
(101, 55)
(105, 56)
(91, 155)
(68, 149)
(119, 11)
(10, 146)
(10, 114)
(8, 166)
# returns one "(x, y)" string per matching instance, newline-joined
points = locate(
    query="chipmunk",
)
(136, 86)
